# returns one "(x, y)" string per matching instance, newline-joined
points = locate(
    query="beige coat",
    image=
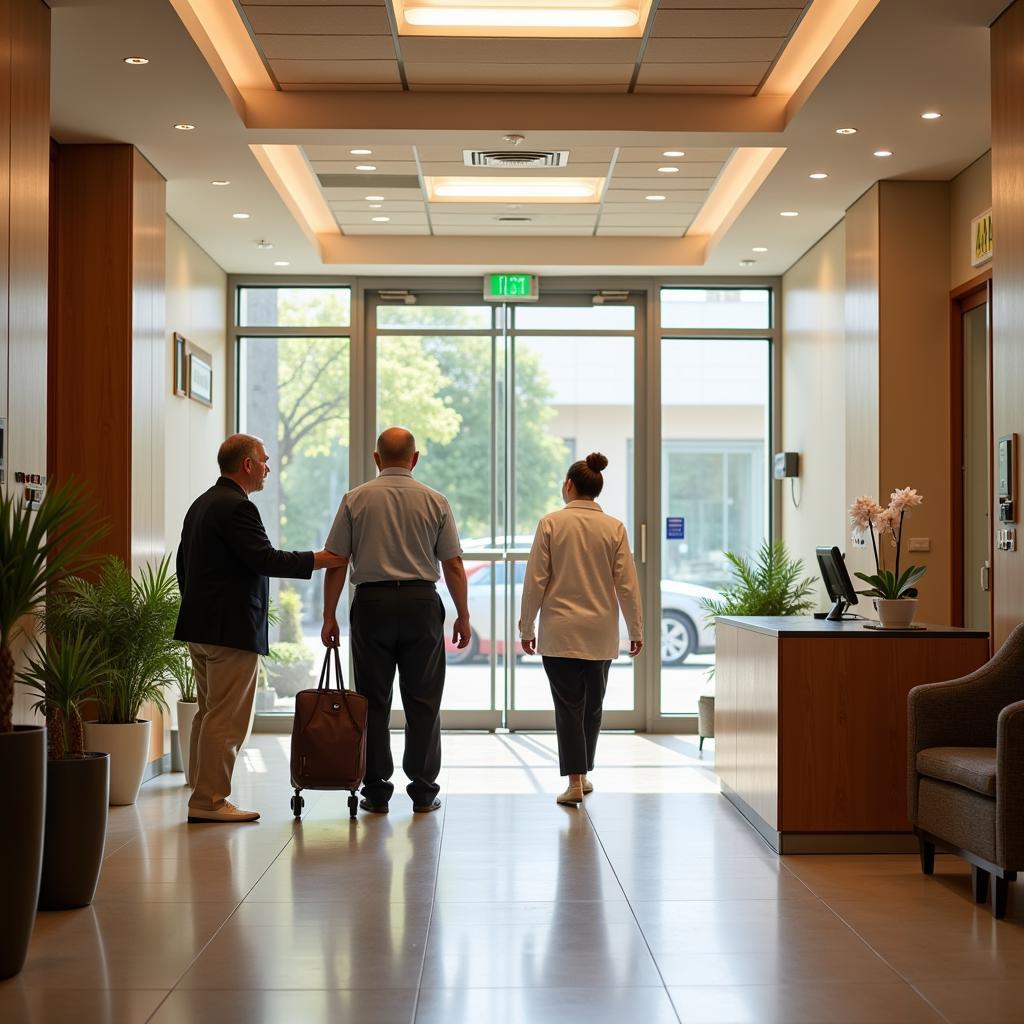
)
(579, 574)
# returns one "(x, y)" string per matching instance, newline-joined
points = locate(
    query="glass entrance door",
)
(502, 399)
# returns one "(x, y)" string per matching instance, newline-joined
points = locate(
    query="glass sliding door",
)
(502, 399)
(713, 481)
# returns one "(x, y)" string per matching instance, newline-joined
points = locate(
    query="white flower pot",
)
(186, 713)
(128, 747)
(896, 614)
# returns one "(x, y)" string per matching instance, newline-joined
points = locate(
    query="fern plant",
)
(65, 673)
(772, 583)
(133, 621)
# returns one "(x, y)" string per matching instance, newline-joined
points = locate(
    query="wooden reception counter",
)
(811, 725)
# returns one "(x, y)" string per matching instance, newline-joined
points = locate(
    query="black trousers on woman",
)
(578, 688)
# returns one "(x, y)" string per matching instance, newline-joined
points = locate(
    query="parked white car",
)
(683, 628)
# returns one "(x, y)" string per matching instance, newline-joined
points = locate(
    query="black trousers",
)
(577, 688)
(400, 627)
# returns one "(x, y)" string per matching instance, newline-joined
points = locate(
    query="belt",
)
(397, 584)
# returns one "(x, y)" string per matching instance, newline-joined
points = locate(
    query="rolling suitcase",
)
(328, 737)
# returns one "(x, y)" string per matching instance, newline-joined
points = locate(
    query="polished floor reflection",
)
(654, 903)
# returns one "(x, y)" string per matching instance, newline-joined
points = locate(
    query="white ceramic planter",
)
(186, 713)
(896, 614)
(128, 747)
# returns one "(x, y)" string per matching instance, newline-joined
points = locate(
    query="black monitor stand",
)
(837, 611)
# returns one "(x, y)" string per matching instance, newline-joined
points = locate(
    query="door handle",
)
(986, 576)
(643, 543)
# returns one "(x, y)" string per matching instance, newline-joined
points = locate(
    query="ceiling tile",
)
(678, 5)
(461, 50)
(518, 74)
(353, 89)
(386, 229)
(387, 208)
(749, 74)
(712, 50)
(354, 47)
(714, 24)
(621, 220)
(699, 90)
(315, 153)
(660, 232)
(368, 19)
(338, 72)
(611, 87)
(571, 170)
(637, 195)
(530, 230)
(648, 169)
(631, 154)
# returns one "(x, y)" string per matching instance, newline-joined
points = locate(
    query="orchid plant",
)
(868, 518)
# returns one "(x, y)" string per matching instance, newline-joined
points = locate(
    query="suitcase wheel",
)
(353, 805)
(297, 804)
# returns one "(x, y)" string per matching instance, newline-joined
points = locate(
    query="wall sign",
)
(675, 528)
(981, 238)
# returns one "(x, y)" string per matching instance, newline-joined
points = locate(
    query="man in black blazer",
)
(224, 561)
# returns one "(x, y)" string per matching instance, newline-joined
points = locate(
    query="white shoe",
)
(588, 786)
(572, 795)
(227, 812)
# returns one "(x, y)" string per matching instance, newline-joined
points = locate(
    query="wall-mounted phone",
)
(1006, 454)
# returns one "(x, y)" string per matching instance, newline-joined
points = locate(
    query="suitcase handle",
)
(325, 684)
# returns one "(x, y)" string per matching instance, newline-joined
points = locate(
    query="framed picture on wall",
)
(180, 366)
(200, 375)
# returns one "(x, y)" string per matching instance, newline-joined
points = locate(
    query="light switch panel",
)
(920, 544)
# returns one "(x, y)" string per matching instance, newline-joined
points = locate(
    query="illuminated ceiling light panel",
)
(522, 17)
(528, 190)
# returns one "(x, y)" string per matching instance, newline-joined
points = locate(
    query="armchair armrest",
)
(1010, 787)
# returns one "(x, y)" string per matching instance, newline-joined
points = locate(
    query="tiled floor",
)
(654, 903)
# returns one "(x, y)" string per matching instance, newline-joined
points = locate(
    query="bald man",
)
(396, 532)
(224, 561)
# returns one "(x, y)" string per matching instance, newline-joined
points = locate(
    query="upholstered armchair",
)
(966, 770)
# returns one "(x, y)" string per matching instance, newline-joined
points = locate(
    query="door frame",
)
(971, 294)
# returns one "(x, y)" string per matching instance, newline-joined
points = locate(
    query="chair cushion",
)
(971, 767)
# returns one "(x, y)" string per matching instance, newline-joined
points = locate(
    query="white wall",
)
(814, 398)
(197, 309)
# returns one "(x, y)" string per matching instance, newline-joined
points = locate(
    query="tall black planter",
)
(77, 794)
(23, 769)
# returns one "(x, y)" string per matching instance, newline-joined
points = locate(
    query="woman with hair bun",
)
(579, 575)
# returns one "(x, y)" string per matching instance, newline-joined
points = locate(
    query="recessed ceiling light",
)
(931, 115)
(673, 152)
(747, 263)
(136, 61)
(667, 170)
(846, 131)
(366, 167)
(240, 216)
(220, 181)
(654, 199)
(818, 175)
(488, 14)
(883, 152)
(380, 220)
(281, 263)
(789, 213)
(360, 152)
(185, 127)
(376, 206)
(375, 199)
(759, 248)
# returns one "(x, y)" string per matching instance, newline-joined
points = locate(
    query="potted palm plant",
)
(65, 672)
(37, 549)
(134, 621)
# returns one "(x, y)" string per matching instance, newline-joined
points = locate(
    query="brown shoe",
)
(227, 812)
(572, 795)
(588, 786)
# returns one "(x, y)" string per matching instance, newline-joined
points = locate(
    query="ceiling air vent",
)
(515, 158)
(514, 220)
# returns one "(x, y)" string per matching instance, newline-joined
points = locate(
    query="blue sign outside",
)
(675, 528)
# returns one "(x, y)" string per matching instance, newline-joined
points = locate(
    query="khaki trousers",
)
(226, 689)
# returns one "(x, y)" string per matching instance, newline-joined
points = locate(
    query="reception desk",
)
(811, 725)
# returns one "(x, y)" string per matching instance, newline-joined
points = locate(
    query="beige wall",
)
(197, 309)
(813, 397)
(970, 193)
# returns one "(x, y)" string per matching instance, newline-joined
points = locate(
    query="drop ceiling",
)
(907, 56)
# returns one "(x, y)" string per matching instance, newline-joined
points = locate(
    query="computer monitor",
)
(832, 564)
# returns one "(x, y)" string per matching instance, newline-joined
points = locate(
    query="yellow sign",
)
(981, 238)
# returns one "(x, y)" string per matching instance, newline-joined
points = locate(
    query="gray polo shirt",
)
(394, 528)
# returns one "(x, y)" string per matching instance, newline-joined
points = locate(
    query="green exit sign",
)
(511, 288)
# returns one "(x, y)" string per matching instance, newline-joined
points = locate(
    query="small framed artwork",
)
(180, 366)
(200, 376)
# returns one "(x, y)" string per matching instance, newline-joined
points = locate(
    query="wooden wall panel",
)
(1008, 287)
(90, 342)
(5, 191)
(726, 680)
